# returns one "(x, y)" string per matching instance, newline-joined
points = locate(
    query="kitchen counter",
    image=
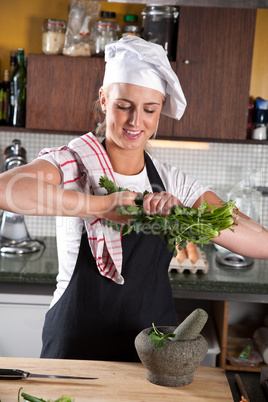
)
(40, 267)
(115, 382)
(223, 282)
(219, 283)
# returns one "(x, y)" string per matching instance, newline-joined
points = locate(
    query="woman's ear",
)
(102, 100)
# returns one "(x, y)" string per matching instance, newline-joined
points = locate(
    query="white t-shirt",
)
(69, 229)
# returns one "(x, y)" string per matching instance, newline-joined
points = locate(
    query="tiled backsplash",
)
(222, 166)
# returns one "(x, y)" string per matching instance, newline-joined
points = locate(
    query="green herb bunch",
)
(182, 225)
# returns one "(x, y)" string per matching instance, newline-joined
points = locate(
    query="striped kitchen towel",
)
(82, 163)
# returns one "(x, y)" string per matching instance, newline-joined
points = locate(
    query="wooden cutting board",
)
(116, 382)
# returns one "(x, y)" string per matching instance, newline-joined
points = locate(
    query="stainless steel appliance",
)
(14, 236)
(233, 260)
(249, 201)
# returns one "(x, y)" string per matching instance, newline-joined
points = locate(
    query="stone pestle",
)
(191, 327)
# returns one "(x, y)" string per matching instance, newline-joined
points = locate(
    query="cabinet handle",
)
(186, 61)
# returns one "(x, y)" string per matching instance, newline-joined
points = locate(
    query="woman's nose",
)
(134, 118)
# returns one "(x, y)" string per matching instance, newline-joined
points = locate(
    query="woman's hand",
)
(114, 200)
(153, 203)
(159, 203)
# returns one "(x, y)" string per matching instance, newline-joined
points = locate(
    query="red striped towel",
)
(82, 163)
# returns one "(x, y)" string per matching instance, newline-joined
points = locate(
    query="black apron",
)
(97, 319)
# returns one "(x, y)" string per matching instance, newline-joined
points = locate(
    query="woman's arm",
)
(249, 238)
(34, 189)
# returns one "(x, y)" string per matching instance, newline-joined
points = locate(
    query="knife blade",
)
(15, 374)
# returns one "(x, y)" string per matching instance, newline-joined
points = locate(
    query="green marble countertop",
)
(251, 280)
(42, 267)
(39, 267)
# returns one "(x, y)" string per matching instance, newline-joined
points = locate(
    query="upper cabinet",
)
(61, 91)
(214, 58)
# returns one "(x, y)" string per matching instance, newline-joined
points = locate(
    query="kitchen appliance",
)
(14, 236)
(233, 260)
(249, 201)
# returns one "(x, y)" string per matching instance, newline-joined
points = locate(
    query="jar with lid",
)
(131, 26)
(160, 25)
(53, 36)
(104, 31)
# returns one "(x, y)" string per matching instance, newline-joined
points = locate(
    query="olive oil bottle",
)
(19, 87)
(6, 105)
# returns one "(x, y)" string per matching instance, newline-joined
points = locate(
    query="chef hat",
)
(133, 60)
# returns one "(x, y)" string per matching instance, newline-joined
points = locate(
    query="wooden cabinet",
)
(225, 318)
(220, 312)
(61, 92)
(214, 57)
(22, 318)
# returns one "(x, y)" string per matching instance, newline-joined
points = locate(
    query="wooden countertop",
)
(116, 382)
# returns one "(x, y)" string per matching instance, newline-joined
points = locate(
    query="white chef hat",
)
(133, 60)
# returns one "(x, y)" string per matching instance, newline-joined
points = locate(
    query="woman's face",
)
(132, 114)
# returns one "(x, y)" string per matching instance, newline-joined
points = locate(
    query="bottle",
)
(12, 102)
(1, 101)
(6, 106)
(13, 62)
(131, 26)
(260, 119)
(19, 88)
(104, 31)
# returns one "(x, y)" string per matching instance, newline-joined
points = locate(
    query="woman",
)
(110, 288)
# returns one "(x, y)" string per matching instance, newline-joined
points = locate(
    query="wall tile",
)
(223, 167)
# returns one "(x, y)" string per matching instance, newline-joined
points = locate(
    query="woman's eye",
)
(149, 111)
(123, 107)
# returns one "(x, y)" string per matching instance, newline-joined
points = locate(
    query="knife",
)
(12, 374)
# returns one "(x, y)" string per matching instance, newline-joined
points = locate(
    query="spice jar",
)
(160, 25)
(103, 32)
(131, 26)
(53, 36)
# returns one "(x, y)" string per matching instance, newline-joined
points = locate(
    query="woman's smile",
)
(132, 135)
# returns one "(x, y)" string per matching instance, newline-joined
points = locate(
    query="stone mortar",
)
(174, 364)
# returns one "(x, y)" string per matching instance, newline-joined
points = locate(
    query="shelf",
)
(206, 3)
(38, 131)
(77, 133)
(247, 369)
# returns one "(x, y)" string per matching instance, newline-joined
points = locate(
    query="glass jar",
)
(160, 25)
(131, 26)
(53, 36)
(104, 31)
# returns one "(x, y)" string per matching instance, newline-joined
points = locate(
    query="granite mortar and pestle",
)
(174, 364)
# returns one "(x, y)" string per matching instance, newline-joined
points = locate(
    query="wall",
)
(220, 166)
(259, 76)
(21, 22)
